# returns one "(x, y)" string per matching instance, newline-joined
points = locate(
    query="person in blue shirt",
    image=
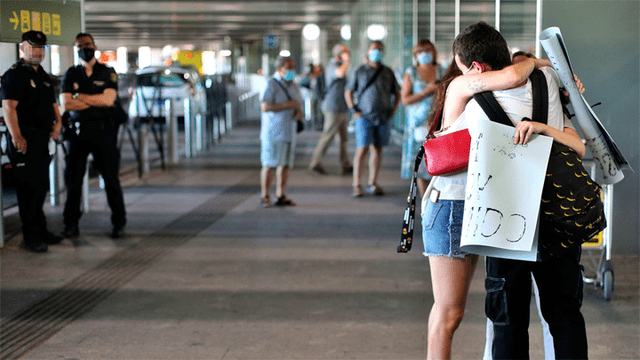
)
(281, 110)
(377, 92)
(418, 89)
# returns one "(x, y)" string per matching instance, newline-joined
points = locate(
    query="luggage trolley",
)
(601, 265)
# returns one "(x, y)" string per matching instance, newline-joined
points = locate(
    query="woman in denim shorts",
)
(443, 206)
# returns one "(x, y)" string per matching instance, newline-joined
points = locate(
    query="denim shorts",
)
(275, 153)
(442, 227)
(367, 133)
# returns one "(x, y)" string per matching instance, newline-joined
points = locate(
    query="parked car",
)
(153, 85)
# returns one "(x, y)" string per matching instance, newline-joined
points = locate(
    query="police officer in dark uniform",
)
(32, 117)
(89, 91)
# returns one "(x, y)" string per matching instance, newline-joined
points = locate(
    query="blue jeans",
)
(442, 228)
(367, 133)
(560, 286)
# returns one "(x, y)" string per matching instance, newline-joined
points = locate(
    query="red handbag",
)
(447, 153)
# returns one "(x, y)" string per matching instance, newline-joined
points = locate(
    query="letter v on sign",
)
(14, 20)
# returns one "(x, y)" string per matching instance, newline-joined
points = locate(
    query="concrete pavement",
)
(205, 273)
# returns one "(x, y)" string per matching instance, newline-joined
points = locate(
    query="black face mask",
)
(86, 54)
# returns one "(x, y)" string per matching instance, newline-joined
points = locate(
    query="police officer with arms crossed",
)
(89, 91)
(32, 117)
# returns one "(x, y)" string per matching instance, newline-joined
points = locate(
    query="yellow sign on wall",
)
(190, 58)
(59, 21)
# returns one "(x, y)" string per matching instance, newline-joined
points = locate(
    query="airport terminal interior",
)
(203, 269)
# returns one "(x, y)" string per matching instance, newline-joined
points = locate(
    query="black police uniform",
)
(34, 91)
(97, 135)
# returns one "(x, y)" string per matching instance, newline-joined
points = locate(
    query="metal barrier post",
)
(143, 145)
(187, 128)
(199, 132)
(228, 114)
(173, 131)
(221, 125)
(215, 130)
(55, 177)
(85, 187)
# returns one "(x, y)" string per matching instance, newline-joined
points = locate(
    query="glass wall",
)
(406, 21)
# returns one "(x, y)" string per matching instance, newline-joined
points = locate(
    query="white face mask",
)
(469, 69)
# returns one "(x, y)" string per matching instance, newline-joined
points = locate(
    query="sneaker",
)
(71, 232)
(318, 170)
(357, 191)
(347, 170)
(265, 202)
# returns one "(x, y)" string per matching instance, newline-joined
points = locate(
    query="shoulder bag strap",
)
(540, 97)
(408, 223)
(410, 212)
(492, 108)
(370, 81)
(495, 112)
(284, 88)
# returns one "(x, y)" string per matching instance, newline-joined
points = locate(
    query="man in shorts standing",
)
(280, 105)
(378, 95)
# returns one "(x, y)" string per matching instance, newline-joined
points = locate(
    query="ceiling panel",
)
(158, 23)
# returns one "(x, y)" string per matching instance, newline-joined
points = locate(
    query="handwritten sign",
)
(59, 21)
(504, 187)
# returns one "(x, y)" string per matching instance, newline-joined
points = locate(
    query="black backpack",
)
(571, 211)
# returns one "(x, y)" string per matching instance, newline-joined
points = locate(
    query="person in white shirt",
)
(451, 268)
(509, 282)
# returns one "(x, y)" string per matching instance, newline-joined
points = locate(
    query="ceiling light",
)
(311, 32)
(285, 53)
(345, 32)
(376, 32)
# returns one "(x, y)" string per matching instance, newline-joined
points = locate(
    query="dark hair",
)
(481, 42)
(377, 42)
(83, 35)
(426, 43)
(438, 101)
(281, 60)
(523, 53)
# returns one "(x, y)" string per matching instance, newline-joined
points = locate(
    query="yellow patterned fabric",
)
(571, 211)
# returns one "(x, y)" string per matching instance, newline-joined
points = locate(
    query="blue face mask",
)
(375, 55)
(425, 58)
(289, 75)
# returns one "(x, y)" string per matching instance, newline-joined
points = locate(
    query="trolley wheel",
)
(607, 284)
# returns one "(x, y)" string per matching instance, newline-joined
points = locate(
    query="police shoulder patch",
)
(114, 77)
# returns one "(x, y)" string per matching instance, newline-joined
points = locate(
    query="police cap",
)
(35, 37)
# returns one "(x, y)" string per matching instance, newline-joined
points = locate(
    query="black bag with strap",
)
(375, 120)
(571, 211)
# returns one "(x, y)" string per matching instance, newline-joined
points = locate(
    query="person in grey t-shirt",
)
(377, 92)
(336, 112)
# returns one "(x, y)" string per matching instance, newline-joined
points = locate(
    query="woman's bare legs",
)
(450, 279)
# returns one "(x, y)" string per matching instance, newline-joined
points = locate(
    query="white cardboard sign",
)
(504, 187)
